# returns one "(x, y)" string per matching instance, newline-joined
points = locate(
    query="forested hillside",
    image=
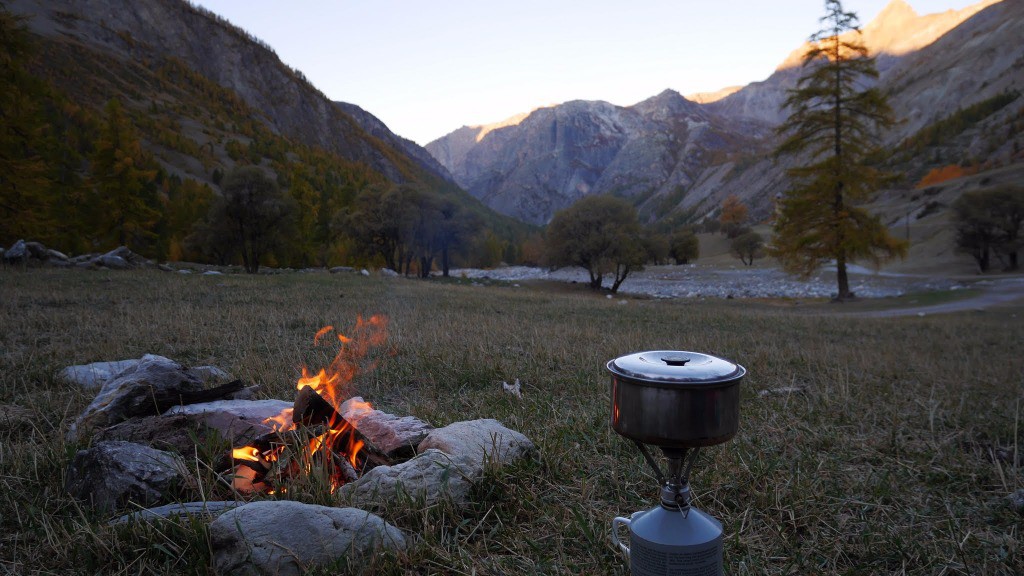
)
(110, 137)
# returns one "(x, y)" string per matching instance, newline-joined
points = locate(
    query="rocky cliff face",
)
(669, 153)
(896, 32)
(152, 30)
(557, 155)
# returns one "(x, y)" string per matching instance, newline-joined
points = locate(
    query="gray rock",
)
(474, 443)
(112, 261)
(184, 271)
(17, 251)
(24, 251)
(388, 272)
(148, 388)
(209, 374)
(213, 273)
(391, 435)
(114, 474)
(97, 374)
(203, 509)
(128, 256)
(339, 269)
(287, 538)
(431, 476)
(56, 255)
(164, 268)
(178, 433)
(238, 419)
(364, 272)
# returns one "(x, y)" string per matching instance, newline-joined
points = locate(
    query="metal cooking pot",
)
(674, 399)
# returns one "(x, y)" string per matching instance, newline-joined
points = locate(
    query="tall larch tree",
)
(124, 176)
(23, 176)
(832, 129)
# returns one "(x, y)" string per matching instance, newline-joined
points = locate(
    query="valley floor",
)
(715, 281)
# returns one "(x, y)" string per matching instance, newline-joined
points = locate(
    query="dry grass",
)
(898, 458)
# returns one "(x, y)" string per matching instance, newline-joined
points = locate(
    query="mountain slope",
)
(155, 30)
(556, 155)
(894, 33)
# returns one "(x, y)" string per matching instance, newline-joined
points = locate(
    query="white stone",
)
(287, 538)
(430, 477)
(474, 443)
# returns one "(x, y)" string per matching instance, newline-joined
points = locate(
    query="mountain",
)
(954, 78)
(546, 161)
(896, 32)
(121, 34)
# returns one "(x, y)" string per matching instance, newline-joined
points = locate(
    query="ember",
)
(317, 434)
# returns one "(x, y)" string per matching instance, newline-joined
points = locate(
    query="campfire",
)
(319, 436)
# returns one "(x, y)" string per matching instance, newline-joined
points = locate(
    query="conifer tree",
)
(124, 179)
(23, 176)
(833, 127)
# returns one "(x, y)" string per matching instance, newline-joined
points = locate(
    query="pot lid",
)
(676, 367)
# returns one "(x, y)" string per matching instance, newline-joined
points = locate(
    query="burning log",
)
(311, 409)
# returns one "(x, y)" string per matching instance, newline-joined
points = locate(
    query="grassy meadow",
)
(898, 457)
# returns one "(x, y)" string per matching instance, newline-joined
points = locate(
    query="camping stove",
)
(678, 402)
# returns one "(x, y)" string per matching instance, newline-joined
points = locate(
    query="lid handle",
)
(675, 360)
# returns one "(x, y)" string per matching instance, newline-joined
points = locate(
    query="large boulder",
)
(473, 443)
(430, 477)
(111, 475)
(96, 374)
(287, 538)
(145, 389)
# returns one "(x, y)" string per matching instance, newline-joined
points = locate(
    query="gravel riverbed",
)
(696, 281)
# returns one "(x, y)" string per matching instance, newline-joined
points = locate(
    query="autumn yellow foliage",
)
(944, 173)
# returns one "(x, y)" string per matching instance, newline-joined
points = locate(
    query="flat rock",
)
(287, 538)
(202, 509)
(146, 389)
(178, 433)
(393, 436)
(431, 476)
(476, 442)
(239, 419)
(112, 261)
(96, 374)
(209, 374)
(111, 475)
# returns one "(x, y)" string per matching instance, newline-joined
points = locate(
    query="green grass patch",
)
(893, 460)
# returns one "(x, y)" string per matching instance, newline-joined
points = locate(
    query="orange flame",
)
(333, 384)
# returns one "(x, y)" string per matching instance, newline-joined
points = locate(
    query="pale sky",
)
(428, 67)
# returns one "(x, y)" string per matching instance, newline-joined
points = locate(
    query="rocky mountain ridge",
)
(557, 155)
(669, 154)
